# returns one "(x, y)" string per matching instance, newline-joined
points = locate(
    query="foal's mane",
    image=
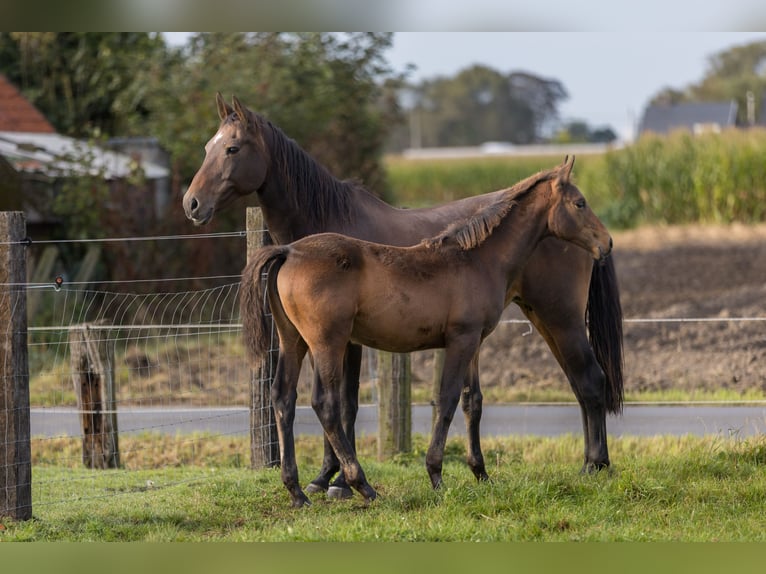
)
(474, 230)
(308, 185)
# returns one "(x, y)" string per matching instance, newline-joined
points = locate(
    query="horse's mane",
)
(474, 230)
(308, 185)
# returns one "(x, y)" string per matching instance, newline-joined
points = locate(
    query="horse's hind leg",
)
(326, 402)
(472, 403)
(283, 397)
(339, 488)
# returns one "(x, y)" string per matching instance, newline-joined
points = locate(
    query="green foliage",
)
(680, 178)
(419, 183)
(323, 90)
(659, 489)
(711, 178)
(81, 81)
(480, 104)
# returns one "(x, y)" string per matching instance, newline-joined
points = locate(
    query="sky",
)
(609, 76)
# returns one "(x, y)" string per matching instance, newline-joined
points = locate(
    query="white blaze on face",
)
(213, 140)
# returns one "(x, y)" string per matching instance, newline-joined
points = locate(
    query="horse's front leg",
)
(339, 488)
(459, 354)
(570, 346)
(326, 401)
(283, 397)
(472, 403)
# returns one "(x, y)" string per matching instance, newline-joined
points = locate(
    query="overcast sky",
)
(610, 76)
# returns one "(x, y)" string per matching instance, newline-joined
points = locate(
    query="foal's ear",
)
(241, 111)
(566, 169)
(224, 109)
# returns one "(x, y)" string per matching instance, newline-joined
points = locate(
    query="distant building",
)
(696, 117)
(34, 158)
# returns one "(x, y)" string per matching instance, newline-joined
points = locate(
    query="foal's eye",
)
(231, 150)
(580, 203)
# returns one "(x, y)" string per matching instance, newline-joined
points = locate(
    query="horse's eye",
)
(232, 150)
(580, 203)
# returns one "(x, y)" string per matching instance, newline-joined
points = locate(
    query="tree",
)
(322, 89)
(83, 82)
(480, 104)
(578, 131)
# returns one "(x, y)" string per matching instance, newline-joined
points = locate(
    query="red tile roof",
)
(17, 114)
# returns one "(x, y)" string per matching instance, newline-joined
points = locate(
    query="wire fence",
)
(183, 388)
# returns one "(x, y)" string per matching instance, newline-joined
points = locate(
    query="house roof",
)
(29, 143)
(55, 155)
(689, 115)
(17, 114)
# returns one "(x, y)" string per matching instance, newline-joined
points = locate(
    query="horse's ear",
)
(566, 169)
(224, 109)
(241, 111)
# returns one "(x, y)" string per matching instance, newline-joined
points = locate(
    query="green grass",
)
(658, 489)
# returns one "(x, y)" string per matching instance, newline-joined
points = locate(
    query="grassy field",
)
(658, 489)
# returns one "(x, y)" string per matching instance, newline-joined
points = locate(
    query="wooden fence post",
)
(15, 450)
(92, 364)
(264, 444)
(394, 408)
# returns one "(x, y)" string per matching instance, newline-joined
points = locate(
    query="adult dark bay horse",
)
(446, 292)
(560, 290)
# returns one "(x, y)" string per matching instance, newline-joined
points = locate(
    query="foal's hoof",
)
(593, 467)
(339, 492)
(301, 501)
(369, 494)
(314, 488)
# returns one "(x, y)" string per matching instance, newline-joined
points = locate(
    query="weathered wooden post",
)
(264, 445)
(436, 382)
(92, 364)
(15, 450)
(394, 406)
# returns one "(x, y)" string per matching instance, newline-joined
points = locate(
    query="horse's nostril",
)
(194, 204)
(610, 243)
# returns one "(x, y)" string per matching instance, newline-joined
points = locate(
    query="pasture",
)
(659, 489)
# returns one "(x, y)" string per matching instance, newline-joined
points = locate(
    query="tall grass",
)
(682, 178)
(679, 178)
(420, 183)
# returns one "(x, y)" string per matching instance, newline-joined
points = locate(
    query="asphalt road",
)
(540, 420)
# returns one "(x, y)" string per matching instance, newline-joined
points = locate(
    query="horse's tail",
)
(258, 283)
(604, 316)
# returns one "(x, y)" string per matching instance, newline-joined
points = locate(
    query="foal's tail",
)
(604, 316)
(258, 280)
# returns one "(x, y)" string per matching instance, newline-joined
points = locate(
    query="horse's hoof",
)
(314, 488)
(339, 492)
(301, 502)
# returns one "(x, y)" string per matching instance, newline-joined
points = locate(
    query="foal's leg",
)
(349, 409)
(472, 401)
(325, 400)
(283, 397)
(459, 354)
